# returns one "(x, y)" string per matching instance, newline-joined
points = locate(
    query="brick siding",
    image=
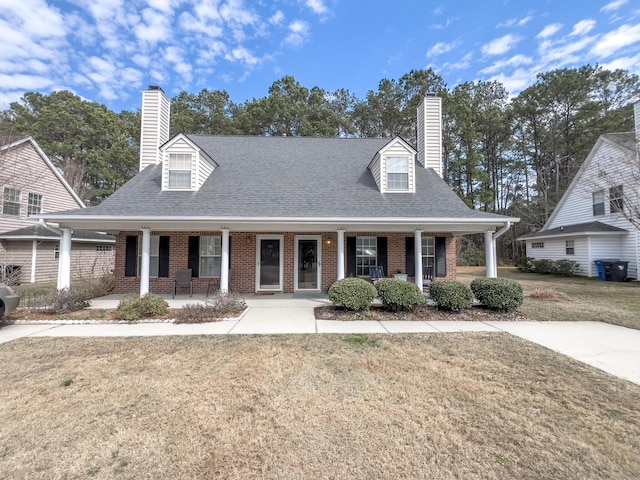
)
(243, 259)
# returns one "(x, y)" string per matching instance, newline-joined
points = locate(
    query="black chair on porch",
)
(376, 272)
(183, 279)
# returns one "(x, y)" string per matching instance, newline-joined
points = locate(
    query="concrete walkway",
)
(611, 348)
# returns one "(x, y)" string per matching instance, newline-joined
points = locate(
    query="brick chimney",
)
(430, 132)
(154, 130)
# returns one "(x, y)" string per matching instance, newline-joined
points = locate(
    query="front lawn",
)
(319, 406)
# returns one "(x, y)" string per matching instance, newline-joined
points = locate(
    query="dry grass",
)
(589, 299)
(422, 406)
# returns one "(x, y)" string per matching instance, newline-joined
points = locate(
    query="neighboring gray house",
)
(31, 185)
(275, 214)
(591, 220)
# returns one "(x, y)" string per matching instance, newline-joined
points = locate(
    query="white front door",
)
(269, 253)
(308, 264)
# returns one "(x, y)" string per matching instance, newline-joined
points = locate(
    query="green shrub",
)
(471, 257)
(498, 293)
(451, 295)
(525, 264)
(133, 308)
(566, 268)
(544, 266)
(67, 300)
(398, 295)
(352, 293)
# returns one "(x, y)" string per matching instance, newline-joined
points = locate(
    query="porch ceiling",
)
(455, 226)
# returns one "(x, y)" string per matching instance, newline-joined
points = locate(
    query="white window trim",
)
(19, 202)
(191, 170)
(407, 161)
(375, 257)
(426, 240)
(569, 245)
(154, 255)
(40, 204)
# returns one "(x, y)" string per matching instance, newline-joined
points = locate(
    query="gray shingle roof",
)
(42, 231)
(287, 177)
(625, 139)
(576, 229)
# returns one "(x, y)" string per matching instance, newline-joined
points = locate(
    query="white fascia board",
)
(400, 140)
(56, 239)
(574, 234)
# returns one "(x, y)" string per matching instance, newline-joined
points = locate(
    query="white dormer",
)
(394, 167)
(185, 167)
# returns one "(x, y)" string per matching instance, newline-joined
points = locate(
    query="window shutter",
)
(163, 256)
(382, 254)
(441, 257)
(410, 256)
(351, 256)
(131, 256)
(194, 256)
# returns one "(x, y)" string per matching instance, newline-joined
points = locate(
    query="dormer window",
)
(180, 165)
(398, 173)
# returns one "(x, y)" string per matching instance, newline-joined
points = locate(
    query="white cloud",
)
(500, 46)
(441, 47)
(613, 6)
(462, 64)
(624, 63)
(156, 27)
(549, 30)
(613, 41)
(242, 55)
(516, 22)
(317, 6)
(517, 81)
(515, 61)
(298, 32)
(564, 54)
(24, 81)
(277, 18)
(583, 27)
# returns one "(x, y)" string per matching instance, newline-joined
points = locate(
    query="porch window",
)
(180, 165)
(210, 256)
(154, 255)
(616, 203)
(569, 247)
(598, 203)
(11, 202)
(56, 252)
(397, 173)
(104, 248)
(34, 205)
(537, 244)
(366, 255)
(428, 254)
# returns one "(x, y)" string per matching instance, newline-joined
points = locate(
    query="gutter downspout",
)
(490, 249)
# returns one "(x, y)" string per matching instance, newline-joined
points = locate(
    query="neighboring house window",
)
(180, 170)
(428, 254)
(104, 248)
(56, 252)
(11, 202)
(537, 245)
(34, 205)
(210, 256)
(615, 199)
(397, 173)
(569, 247)
(366, 254)
(598, 203)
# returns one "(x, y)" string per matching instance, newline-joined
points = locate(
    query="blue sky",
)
(110, 50)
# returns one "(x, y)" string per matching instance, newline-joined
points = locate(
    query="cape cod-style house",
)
(592, 219)
(285, 214)
(29, 249)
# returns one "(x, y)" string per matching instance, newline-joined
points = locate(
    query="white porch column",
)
(340, 254)
(224, 261)
(489, 253)
(144, 262)
(417, 253)
(34, 259)
(64, 261)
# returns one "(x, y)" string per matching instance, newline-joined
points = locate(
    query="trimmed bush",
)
(133, 308)
(398, 295)
(544, 266)
(566, 268)
(451, 295)
(352, 293)
(498, 293)
(67, 300)
(217, 306)
(525, 264)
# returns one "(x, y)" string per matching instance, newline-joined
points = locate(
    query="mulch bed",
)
(421, 313)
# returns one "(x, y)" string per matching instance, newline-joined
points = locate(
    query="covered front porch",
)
(265, 257)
